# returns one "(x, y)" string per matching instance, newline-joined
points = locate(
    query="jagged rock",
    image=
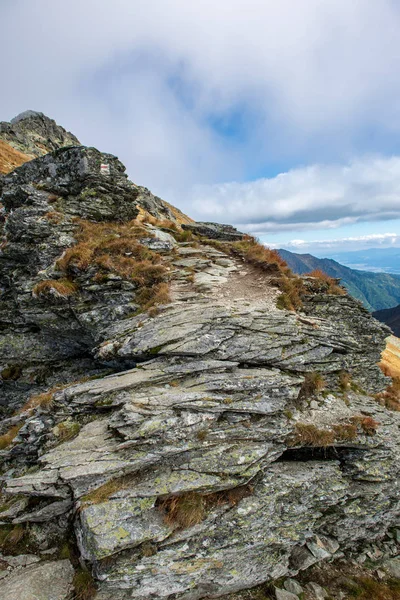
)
(292, 586)
(44, 581)
(203, 404)
(35, 134)
(215, 231)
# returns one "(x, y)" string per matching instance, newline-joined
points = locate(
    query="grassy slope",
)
(375, 290)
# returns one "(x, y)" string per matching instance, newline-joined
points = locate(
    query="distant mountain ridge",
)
(377, 291)
(390, 316)
(376, 260)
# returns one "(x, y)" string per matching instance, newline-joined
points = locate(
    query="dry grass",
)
(344, 381)
(114, 248)
(292, 291)
(368, 425)
(307, 434)
(54, 217)
(390, 398)
(67, 430)
(44, 400)
(312, 384)
(11, 537)
(10, 158)
(326, 283)
(190, 508)
(7, 438)
(345, 432)
(367, 588)
(85, 587)
(55, 288)
(103, 493)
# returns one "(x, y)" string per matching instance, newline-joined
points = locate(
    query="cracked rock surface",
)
(199, 402)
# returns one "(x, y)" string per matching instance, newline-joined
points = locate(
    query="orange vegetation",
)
(11, 158)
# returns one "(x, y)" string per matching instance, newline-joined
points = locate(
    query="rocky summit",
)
(182, 417)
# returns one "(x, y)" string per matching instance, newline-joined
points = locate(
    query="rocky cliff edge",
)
(172, 427)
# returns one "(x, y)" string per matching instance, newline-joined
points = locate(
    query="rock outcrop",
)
(34, 134)
(216, 441)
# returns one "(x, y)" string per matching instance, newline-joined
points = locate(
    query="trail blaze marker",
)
(105, 169)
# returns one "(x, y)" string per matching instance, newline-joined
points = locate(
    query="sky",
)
(282, 118)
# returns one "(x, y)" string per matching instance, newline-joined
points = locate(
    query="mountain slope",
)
(390, 316)
(376, 291)
(168, 431)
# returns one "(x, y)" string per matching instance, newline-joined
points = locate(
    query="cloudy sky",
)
(280, 117)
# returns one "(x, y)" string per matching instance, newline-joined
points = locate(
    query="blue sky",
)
(282, 118)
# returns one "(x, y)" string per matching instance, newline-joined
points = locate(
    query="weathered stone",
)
(214, 231)
(317, 592)
(43, 581)
(284, 595)
(293, 586)
(392, 567)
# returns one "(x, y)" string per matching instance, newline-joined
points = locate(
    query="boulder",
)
(214, 231)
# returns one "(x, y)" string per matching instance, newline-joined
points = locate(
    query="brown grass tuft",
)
(7, 438)
(85, 587)
(190, 508)
(367, 424)
(55, 288)
(326, 283)
(312, 384)
(115, 248)
(103, 493)
(390, 398)
(344, 381)
(309, 435)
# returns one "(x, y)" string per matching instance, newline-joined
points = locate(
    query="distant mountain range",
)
(376, 291)
(390, 316)
(382, 260)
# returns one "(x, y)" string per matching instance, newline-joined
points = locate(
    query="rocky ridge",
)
(214, 442)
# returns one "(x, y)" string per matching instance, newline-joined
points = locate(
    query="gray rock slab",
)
(44, 581)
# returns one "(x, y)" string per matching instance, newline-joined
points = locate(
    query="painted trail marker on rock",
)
(105, 169)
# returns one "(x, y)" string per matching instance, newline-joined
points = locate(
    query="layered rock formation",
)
(217, 442)
(34, 134)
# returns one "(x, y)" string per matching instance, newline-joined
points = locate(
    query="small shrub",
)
(11, 373)
(44, 400)
(11, 537)
(327, 284)
(312, 384)
(292, 290)
(103, 493)
(390, 398)
(85, 587)
(190, 508)
(367, 424)
(346, 432)
(115, 248)
(309, 435)
(54, 217)
(67, 430)
(185, 510)
(56, 288)
(7, 438)
(344, 381)
(148, 549)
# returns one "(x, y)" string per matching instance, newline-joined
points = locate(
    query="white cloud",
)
(354, 242)
(318, 196)
(148, 80)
